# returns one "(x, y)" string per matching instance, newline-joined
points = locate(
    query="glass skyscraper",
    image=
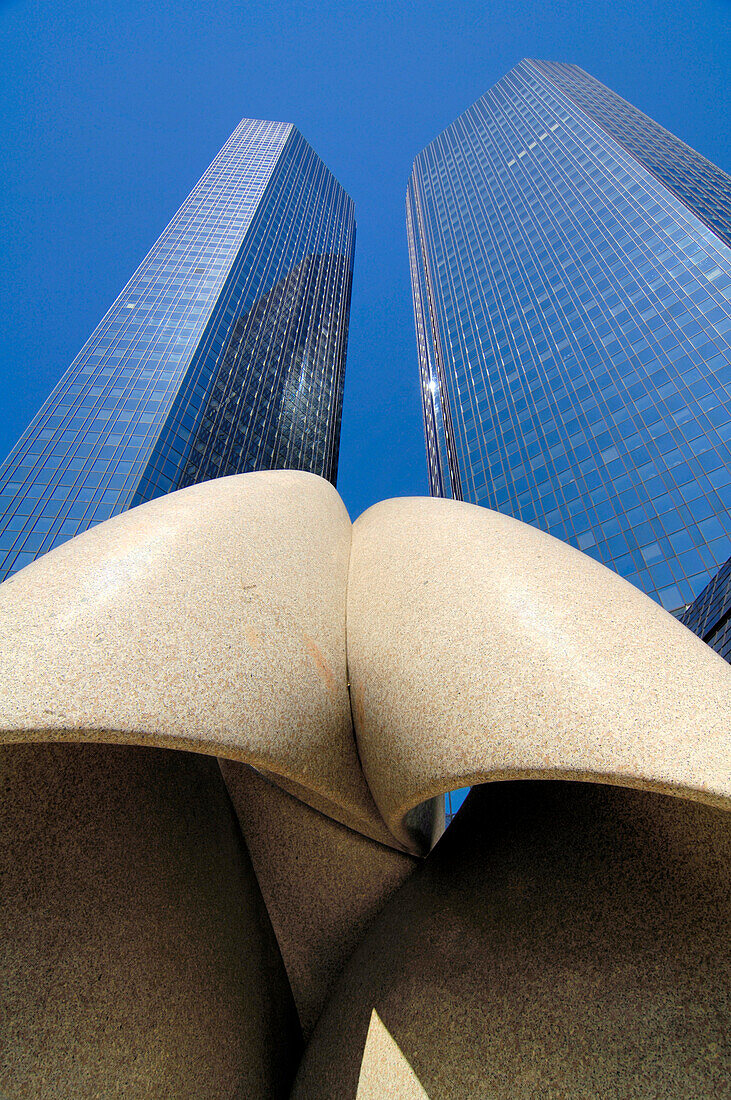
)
(224, 353)
(709, 616)
(571, 275)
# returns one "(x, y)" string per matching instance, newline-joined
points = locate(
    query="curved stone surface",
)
(384, 1071)
(480, 648)
(562, 940)
(212, 620)
(322, 883)
(137, 957)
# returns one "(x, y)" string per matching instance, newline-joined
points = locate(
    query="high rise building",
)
(225, 352)
(709, 616)
(571, 275)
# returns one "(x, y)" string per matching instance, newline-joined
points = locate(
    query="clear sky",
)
(112, 109)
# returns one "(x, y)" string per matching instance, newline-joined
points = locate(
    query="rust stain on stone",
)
(320, 663)
(253, 637)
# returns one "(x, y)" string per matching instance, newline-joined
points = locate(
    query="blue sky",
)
(114, 108)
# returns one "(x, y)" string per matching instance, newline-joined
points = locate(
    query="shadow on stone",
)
(138, 960)
(562, 940)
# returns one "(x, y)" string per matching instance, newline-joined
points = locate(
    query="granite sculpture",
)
(228, 719)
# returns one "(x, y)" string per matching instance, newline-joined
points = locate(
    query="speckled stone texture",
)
(384, 1071)
(563, 940)
(481, 648)
(212, 620)
(323, 884)
(137, 960)
(162, 929)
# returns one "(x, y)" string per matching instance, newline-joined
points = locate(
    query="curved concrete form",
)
(211, 620)
(323, 884)
(126, 898)
(480, 648)
(562, 940)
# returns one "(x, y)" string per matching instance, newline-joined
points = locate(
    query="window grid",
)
(573, 323)
(126, 422)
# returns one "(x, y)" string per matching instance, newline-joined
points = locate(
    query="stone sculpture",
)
(258, 914)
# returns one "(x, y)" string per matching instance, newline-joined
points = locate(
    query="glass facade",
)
(453, 802)
(571, 277)
(709, 616)
(703, 187)
(224, 353)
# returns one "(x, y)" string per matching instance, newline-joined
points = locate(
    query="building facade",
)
(224, 353)
(709, 616)
(571, 275)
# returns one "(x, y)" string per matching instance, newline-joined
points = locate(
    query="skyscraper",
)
(571, 275)
(709, 616)
(225, 352)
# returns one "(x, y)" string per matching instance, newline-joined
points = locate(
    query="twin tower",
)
(571, 273)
